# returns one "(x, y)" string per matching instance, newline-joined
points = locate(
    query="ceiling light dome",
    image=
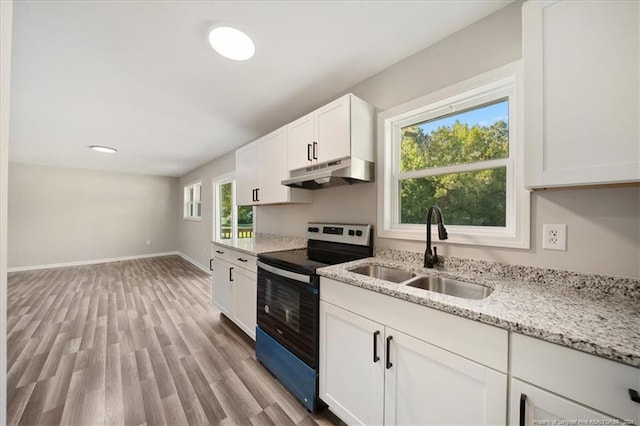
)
(103, 149)
(231, 43)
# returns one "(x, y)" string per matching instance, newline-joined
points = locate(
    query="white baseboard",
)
(195, 263)
(93, 261)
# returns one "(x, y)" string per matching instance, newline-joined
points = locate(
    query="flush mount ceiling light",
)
(103, 149)
(231, 43)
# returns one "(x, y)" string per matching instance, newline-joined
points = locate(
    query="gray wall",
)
(195, 236)
(603, 224)
(59, 215)
(6, 22)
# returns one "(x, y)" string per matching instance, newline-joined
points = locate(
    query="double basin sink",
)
(442, 285)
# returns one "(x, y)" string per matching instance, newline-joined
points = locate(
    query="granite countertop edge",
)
(264, 243)
(553, 313)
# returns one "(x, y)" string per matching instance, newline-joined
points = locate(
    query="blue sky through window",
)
(483, 116)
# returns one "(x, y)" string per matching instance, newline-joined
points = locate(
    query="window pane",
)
(245, 221)
(225, 211)
(471, 198)
(477, 134)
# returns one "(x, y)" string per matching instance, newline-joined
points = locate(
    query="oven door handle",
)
(286, 274)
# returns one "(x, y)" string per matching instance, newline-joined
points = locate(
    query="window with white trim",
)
(459, 149)
(231, 222)
(193, 201)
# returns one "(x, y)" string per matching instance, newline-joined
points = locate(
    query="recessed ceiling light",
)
(103, 149)
(231, 43)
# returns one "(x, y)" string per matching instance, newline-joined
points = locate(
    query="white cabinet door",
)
(300, 142)
(333, 130)
(222, 290)
(245, 300)
(591, 381)
(582, 86)
(272, 168)
(246, 174)
(351, 380)
(427, 385)
(531, 405)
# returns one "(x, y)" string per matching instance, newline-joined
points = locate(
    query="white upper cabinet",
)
(340, 129)
(301, 139)
(246, 174)
(582, 91)
(272, 167)
(333, 130)
(260, 167)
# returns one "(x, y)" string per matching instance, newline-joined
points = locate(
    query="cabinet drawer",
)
(238, 258)
(587, 379)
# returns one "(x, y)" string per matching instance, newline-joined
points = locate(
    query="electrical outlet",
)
(554, 237)
(148, 242)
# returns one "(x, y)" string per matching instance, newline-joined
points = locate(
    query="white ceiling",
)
(141, 77)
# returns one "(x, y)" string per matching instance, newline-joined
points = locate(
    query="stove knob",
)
(310, 229)
(351, 232)
(359, 233)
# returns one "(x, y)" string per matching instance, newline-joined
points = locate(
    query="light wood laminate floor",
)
(132, 343)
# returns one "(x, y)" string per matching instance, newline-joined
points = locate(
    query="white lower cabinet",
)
(351, 381)
(235, 285)
(531, 405)
(561, 383)
(374, 374)
(245, 288)
(222, 290)
(426, 385)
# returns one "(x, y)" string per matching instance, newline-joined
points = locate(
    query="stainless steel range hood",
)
(346, 171)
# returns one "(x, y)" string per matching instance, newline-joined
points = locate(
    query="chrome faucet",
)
(431, 258)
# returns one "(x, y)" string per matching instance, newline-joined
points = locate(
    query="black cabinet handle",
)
(257, 198)
(315, 150)
(376, 358)
(389, 364)
(253, 196)
(242, 260)
(523, 408)
(230, 275)
(219, 252)
(633, 394)
(211, 264)
(309, 151)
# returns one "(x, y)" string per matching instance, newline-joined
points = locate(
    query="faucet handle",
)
(435, 255)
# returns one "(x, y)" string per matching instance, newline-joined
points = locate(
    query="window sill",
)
(193, 219)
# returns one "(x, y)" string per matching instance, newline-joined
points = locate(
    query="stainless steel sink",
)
(384, 273)
(451, 287)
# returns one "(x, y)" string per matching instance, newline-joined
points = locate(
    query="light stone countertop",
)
(264, 243)
(578, 313)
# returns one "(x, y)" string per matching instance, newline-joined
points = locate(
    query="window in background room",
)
(193, 201)
(459, 149)
(230, 221)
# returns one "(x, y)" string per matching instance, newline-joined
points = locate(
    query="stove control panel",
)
(340, 233)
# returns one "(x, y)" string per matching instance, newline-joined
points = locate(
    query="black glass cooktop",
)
(292, 260)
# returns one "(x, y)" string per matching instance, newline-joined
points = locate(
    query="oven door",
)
(288, 310)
